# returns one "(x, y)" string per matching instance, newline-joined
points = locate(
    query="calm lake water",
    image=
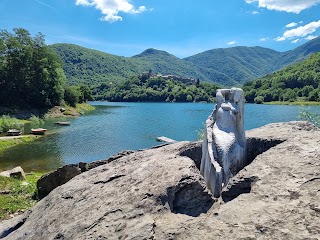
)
(114, 127)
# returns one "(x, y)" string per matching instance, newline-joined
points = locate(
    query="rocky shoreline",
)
(160, 194)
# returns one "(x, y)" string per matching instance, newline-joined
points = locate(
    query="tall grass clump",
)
(7, 122)
(36, 121)
(312, 117)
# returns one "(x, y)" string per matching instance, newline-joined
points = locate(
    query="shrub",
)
(314, 118)
(7, 122)
(258, 100)
(72, 95)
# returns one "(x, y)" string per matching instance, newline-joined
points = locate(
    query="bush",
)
(7, 122)
(72, 95)
(290, 95)
(314, 118)
(258, 100)
(35, 121)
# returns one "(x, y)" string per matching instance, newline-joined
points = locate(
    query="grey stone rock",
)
(16, 172)
(51, 180)
(56, 178)
(160, 194)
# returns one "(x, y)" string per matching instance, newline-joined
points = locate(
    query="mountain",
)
(300, 53)
(165, 63)
(83, 65)
(237, 63)
(248, 63)
(299, 81)
(226, 66)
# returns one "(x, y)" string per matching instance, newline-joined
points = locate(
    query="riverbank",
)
(55, 112)
(67, 111)
(298, 103)
(17, 119)
(10, 141)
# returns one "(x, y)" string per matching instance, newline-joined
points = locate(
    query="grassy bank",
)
(299, 103)
(12, 141)
(68, 111)
(17, 196)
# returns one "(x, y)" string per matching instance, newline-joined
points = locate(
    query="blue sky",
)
(180, 27)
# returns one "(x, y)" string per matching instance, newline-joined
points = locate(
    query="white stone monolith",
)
(224, 144)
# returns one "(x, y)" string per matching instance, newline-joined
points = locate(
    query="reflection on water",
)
(114, 127)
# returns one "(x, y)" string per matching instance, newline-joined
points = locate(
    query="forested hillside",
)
(154, 89)
(237, 63)
(298, 81)
(83, 65)
(165, 63)
(227, 67)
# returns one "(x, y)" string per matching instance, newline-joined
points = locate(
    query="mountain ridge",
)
(225, 66)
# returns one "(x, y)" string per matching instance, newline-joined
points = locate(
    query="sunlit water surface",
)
(114, 127)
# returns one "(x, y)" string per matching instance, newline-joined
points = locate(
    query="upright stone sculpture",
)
(224, 144)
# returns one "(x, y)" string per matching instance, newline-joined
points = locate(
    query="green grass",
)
(7, 122)
(300, 103)
(84, 107)
(5, 143)
(17, 196)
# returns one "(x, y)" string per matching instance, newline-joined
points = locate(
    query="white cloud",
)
(111, 8)
(279, 39)
(295, 41)
(301, 31)
(255, 12)
(263, 39)
(294, 6)
(290, 25)
(310, 37)
(232, 43)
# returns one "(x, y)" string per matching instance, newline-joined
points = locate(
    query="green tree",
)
(189, 98)
(30, 73)
(289, 95)
(258, 100)
(72, 95)
(86, 94)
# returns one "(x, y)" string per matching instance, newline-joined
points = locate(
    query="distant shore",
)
(293, 103)
(55, 112)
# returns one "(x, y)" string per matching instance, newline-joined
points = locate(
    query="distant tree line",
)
(297, 82)
(156, 89)
(31, 74)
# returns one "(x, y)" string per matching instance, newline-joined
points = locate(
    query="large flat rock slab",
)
(160, 194)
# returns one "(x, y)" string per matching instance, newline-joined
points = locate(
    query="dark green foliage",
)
(31, 74)
(77, 94)
(72, 95)
(258, 99)
(136, 89)
(85, 94)
(228, 67)
(299, 80)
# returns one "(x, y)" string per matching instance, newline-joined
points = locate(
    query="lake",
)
(114, 127)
